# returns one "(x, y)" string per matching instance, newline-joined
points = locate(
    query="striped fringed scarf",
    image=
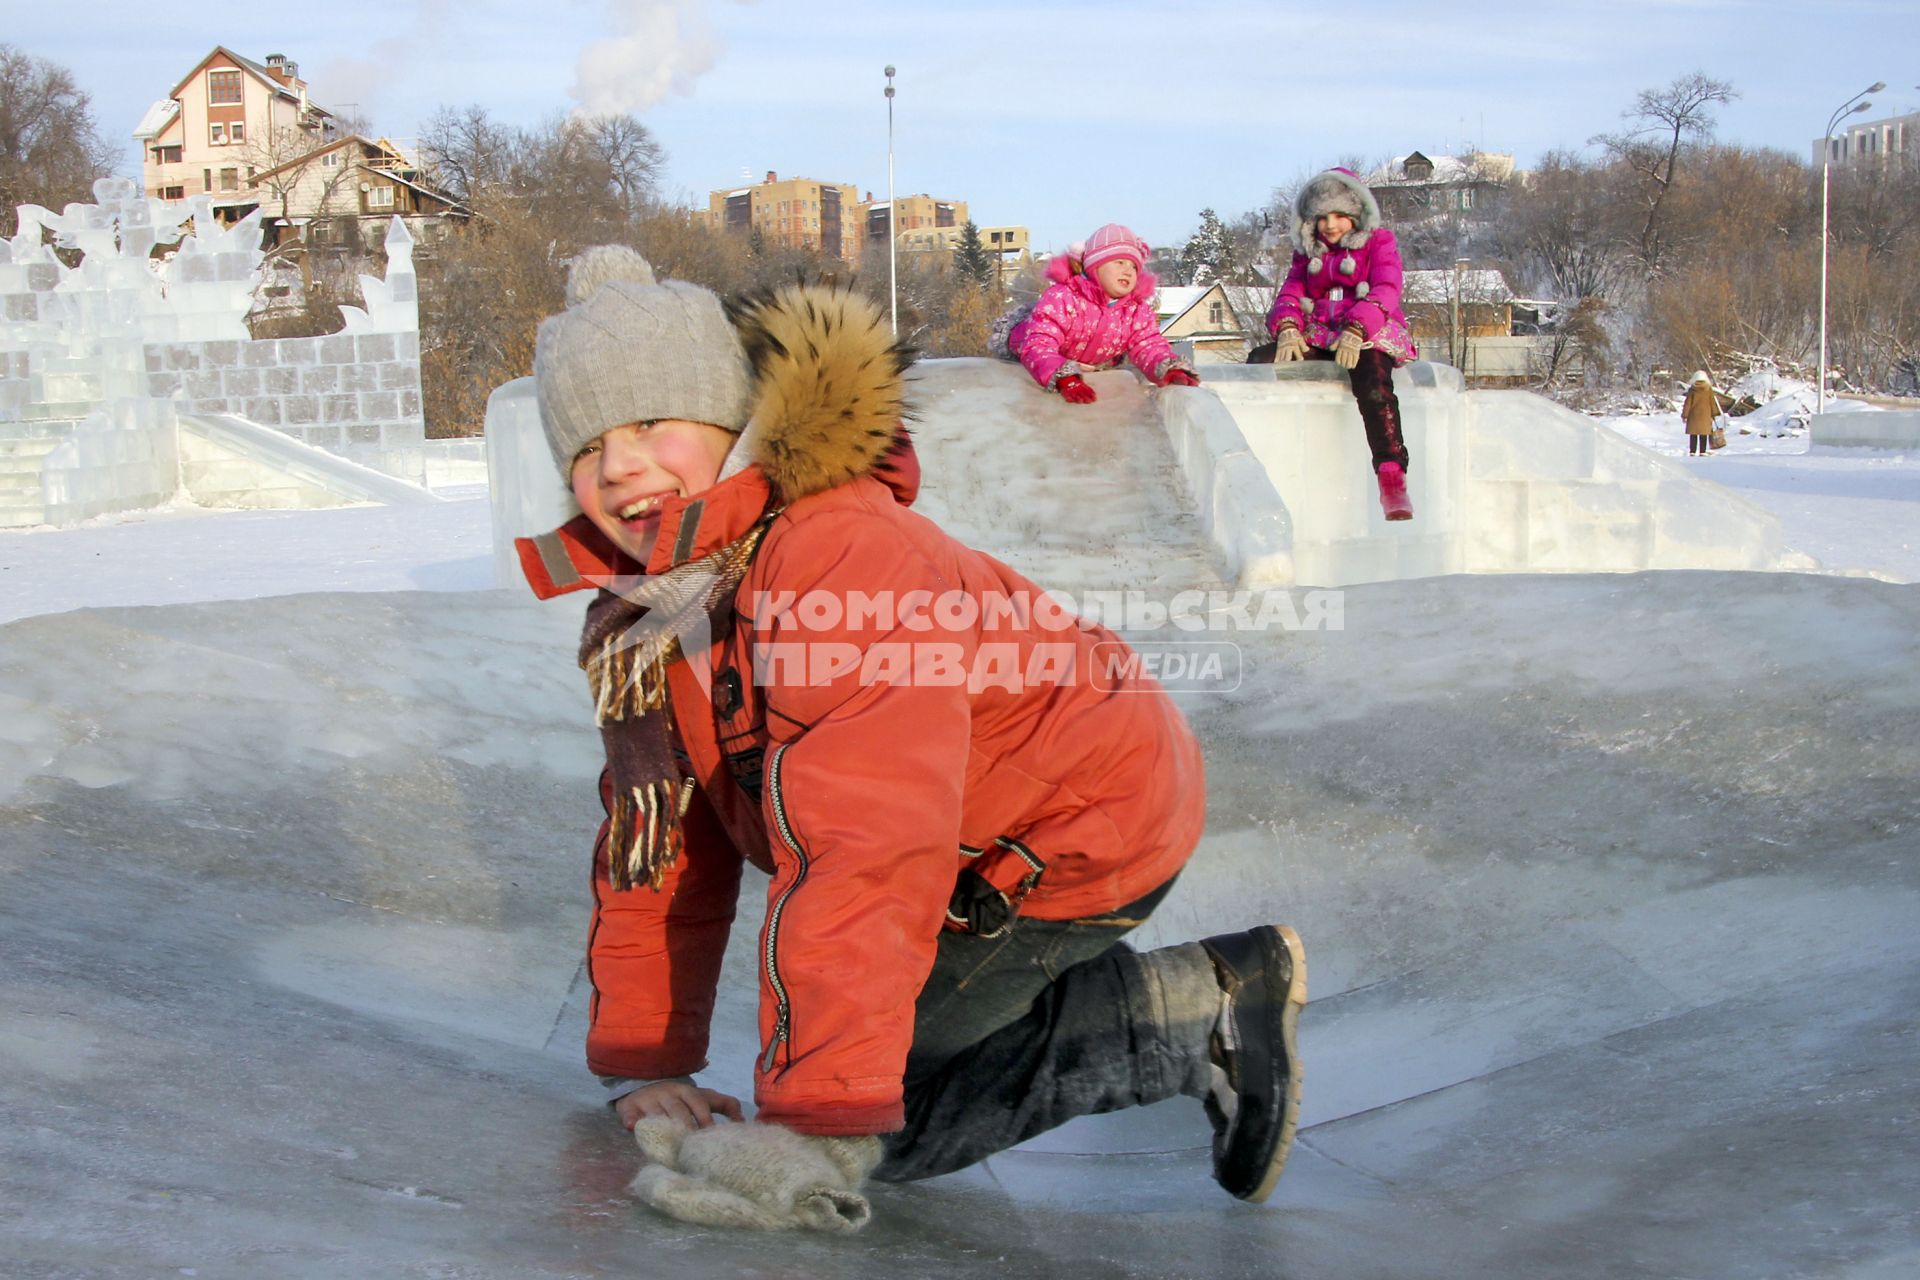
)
(631, 638)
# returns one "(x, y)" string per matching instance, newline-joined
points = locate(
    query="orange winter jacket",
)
(887, 709)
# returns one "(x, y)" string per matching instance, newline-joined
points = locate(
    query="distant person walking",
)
(1702, 406)
(1098, 312)
(1341, 302)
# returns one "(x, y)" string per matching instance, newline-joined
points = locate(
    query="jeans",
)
(1372, 381)
(1054, 1019)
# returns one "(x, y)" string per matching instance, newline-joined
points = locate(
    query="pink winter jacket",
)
(1356, 282)
(1075, 328)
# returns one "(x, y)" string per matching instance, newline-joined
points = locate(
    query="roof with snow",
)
(1174, 299)
(158, 117)
(1173, 302)
(1483, 285)
(1484, 166)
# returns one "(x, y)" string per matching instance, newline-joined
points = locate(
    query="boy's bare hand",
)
(689, 1104)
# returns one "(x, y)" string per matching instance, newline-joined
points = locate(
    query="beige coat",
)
(1701, 408)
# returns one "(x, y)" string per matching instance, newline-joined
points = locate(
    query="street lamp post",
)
(893, 219)
(1456, 337)
(1847, 108)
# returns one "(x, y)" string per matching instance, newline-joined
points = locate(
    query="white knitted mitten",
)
(759, 1176)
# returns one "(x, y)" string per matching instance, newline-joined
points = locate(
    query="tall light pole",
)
(893, 218)
(1847, 108)
(1456, 337)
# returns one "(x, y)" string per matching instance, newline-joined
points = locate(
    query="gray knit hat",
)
(629, 350)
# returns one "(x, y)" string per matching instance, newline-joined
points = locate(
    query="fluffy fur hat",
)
(1334, 191)
(628, 349)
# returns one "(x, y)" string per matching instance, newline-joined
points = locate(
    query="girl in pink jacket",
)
(1098, 312)
(1341, 302)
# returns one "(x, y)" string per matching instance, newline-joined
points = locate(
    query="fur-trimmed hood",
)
(1334, 191)
(827, 405)
(829, 387)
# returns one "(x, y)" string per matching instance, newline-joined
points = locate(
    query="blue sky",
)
(1053, 114)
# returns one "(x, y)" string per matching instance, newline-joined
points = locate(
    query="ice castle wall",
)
(102, 346)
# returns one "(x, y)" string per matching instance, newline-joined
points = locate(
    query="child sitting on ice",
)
(952, 864)
(1341, 302)
(1098, 311)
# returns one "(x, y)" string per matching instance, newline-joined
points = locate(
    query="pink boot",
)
(1393, 492)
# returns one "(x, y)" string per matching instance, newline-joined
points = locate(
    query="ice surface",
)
(295, 898)
(1608, 885)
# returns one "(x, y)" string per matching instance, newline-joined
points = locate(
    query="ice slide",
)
(1609, 885)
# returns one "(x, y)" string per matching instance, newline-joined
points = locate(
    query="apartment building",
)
(925, 223)
(792, 212)
(1894, 141)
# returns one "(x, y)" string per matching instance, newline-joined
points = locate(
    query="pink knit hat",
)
(1110, 242)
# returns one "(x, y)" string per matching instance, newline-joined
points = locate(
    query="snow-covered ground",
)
(190, 554)
(1857, 511)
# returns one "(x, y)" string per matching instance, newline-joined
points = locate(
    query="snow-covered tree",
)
(1210, 253)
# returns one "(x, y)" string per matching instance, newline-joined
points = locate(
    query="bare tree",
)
(632, 158)
(466, 153)
(51, 150)
(1659, 122)
(1558, 229)
(287, 158)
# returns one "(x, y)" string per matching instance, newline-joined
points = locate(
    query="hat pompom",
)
(602, 265)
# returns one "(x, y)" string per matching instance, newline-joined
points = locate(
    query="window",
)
(217, 133)
(206, 179)
(331, 160)
(173, 193)
(1216, 314)
(380, 198)
(236, 132)
(229, 179)
(223, 87)
(167, 155)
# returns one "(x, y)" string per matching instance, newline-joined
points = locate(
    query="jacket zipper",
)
(783, 1020)
(1034, 865)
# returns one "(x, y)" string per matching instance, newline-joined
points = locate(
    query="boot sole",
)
(1282, 937)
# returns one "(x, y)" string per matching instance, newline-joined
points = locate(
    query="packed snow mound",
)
(1607, 885)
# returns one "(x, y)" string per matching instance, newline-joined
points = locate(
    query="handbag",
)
(1717, 438)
